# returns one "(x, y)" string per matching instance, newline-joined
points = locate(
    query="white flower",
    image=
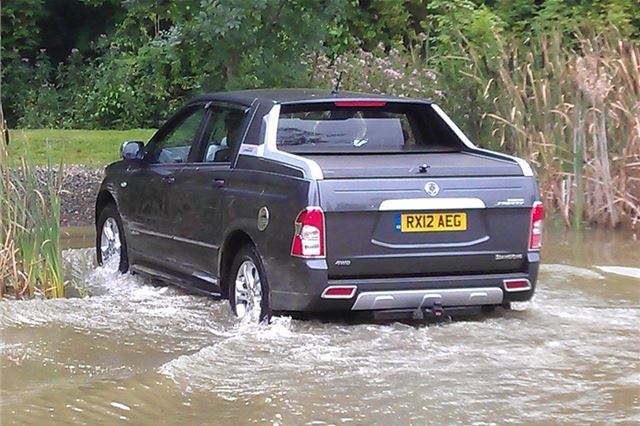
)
(392, 74)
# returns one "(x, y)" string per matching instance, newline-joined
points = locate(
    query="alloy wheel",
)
(248, 291)
(110, 242)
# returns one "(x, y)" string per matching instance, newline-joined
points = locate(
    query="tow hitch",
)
(434, 312)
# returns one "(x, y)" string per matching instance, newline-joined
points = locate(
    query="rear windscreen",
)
(370, 127)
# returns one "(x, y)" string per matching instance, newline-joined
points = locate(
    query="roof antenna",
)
(337, 87)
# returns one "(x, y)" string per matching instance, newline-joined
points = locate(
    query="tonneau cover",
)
(444, 164)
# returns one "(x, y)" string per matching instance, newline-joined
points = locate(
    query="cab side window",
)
(174, 146)
(222, 134)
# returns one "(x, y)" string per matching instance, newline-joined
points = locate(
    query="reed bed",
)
(570, 105)
(574, 112)
(30, 250)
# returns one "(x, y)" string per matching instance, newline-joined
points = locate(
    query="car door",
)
(153, 189)
(204, 187)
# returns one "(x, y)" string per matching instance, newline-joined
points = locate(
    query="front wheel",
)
(111, 247)
(248, 289)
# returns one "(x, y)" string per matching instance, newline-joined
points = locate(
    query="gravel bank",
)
(80, 186)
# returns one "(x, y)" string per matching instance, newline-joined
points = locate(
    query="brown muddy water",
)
(138, 353)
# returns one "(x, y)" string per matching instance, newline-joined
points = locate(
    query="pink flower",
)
(392, 74)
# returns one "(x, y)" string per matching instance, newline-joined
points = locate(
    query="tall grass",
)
(30, 250)
(574, 112)
(568, 104)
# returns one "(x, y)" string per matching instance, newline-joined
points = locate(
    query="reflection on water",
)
(135, 351)
(73, 237)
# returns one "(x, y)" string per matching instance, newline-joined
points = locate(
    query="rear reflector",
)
(535, 234)
(521, 284)
(339, 292)
(360, 103)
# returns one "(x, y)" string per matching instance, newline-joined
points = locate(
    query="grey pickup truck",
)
(295, 201)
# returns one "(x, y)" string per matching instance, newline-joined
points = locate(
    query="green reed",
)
(30, 249)
(570, 105)
(573, 110)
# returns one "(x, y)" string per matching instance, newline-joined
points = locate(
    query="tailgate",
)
(393, 227)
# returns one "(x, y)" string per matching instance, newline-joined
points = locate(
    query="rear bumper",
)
(398, 299)
(403, 293)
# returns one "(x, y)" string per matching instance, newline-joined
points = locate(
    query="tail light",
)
(309, 237)
(535, 235)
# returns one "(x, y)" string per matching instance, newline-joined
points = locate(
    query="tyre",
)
(111, 246)
(248, 288)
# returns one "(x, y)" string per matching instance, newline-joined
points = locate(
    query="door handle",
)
(168, 179)
(218, 183)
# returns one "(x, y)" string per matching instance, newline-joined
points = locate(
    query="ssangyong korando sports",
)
(308, 201)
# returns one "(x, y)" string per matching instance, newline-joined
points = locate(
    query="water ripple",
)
(132, 347)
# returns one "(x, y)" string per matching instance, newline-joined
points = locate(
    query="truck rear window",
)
(372, 127)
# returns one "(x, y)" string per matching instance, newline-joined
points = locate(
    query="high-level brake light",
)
(360, 103)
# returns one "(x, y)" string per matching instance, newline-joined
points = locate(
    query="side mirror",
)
(132, 150)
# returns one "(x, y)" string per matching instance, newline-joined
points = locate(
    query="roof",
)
(288, 96)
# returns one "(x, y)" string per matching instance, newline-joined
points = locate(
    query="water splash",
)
(625, 271)
(571, 354)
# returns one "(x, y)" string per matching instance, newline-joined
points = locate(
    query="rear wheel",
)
(111, 247)
(248, 288)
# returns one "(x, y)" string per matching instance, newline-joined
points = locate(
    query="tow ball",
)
(435, 312)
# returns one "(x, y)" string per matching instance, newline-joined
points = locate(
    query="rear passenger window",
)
(222, 134)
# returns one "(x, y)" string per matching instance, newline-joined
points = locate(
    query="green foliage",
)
(125, 64)
(255, 43)
(20, 24)
(19, 42)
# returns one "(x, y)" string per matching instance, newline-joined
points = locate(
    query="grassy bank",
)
(94, 148)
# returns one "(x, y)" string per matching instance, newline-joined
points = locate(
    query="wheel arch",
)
(232, 244)
(104, 197)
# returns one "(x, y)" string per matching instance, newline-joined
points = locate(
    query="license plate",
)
(431, 222)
